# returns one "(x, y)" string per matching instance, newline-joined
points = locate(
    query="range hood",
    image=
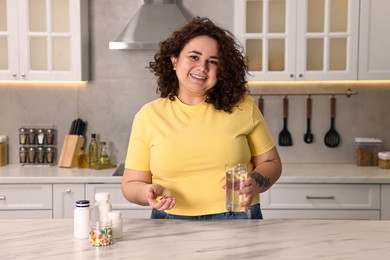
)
(153, 22)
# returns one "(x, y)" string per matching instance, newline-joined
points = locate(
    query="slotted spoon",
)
(285, 138)
(332, 138)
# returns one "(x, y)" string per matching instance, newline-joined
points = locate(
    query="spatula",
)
(285, 138)
(332, 138)
(308, 136)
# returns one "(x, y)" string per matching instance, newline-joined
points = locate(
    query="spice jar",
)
(40, 136)
(41, 154)
(23, 135)
(23, 154)
(31, 154)
(3, 150)
(31, 135)
(50, 136)
(50, 154)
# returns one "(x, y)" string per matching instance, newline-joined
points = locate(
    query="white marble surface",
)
(169, 239)
(15, 173)
(292, 173)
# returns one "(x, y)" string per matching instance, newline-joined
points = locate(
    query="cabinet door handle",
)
(2, 197)
(68, 190)
(308, 197)
(23, 75)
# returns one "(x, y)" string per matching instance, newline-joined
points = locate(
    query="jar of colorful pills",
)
(100, 234)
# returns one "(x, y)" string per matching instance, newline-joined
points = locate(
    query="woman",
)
(181, 142)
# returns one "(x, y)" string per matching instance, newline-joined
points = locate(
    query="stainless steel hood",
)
(153, 22)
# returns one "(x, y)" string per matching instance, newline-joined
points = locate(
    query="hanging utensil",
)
(332, 138)
(285, 138)
(261, 105)
(308, 136)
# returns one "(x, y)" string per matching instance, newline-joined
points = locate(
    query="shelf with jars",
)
(37, 145)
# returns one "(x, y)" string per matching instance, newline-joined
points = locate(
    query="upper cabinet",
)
(374, 40)
(299, 39)
(44, 40)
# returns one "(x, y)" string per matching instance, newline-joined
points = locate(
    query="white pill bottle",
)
(81, 219)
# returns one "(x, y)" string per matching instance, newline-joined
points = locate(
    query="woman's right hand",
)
(166, 200)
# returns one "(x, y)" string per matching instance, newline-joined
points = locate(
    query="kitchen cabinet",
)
(25, 201)
(129, 210)
(323, 201)
(44, 40)
(385, 201)
(299, 40)
(65, 197)
(374, 42)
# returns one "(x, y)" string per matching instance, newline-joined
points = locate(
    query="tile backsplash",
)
(120, 84)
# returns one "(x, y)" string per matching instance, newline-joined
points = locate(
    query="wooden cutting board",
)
(102, 167)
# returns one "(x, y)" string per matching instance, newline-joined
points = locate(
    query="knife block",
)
(70, 151)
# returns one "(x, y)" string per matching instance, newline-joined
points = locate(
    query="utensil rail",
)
(348, 93)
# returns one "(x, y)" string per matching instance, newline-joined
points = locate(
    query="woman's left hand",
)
(249, 190)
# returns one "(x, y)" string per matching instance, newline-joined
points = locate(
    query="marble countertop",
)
(292, 173)
(15, 173)
(174, 239)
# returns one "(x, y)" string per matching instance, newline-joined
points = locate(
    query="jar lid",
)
(367, 140)
(102, 196)
(3, 138)
(384, 155)
(82, 203)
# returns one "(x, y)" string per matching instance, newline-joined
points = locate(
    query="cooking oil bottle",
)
(82, 159)
(104, 158)
(93, 150)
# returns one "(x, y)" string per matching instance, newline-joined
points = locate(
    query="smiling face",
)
(196, 69)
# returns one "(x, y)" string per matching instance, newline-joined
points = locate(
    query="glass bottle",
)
(104, 159)
(82, 159)
(93, 151)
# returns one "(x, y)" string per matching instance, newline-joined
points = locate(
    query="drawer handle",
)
(319, 197)
(2, 197)
(68, 190)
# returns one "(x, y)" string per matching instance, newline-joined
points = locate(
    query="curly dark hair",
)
(231, 72)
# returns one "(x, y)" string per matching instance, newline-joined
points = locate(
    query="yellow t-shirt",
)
(187, 147)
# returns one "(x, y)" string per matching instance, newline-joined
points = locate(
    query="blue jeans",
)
(254, 212)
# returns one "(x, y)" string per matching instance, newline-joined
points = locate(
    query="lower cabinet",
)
(65, 197)
(385, 201)
(322, 201)
(282, 201)
(26, 201)
(118, 201)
